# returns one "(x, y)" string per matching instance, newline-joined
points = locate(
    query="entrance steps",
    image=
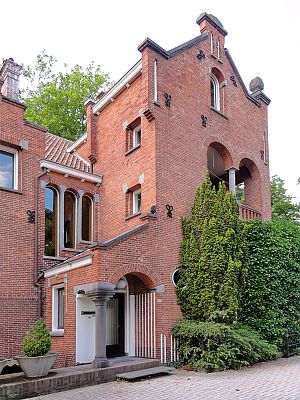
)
(17, 386)
(144, 373)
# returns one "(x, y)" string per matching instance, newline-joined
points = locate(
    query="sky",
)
(263, 39)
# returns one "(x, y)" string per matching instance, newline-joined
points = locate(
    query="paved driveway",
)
(276, 380)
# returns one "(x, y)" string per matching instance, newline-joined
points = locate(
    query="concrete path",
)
(276, 380)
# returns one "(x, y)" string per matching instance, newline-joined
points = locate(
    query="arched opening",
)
(218, 162)
(69, 219)
(51, 225)
(87, 218)
(249, 189)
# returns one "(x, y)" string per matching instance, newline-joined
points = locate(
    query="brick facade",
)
(179, 140)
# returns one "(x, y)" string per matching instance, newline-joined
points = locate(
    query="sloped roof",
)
(56, 151)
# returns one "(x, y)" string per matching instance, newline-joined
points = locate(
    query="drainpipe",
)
(37, 276)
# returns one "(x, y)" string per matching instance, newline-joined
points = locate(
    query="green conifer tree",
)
(212, 257)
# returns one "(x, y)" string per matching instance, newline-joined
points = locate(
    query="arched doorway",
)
(218, 162)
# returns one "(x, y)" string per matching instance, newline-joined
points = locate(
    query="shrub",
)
(38, 341)
(271, 299)
(213, 346)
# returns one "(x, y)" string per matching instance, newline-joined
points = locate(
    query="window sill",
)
(132, 149)
(57, 333)
(54, 258)
(213, 56)
(132, 216)
(71, 250)
(156, 103)
(219, 112)
(220, 61)
(10, 190)
(87, 242)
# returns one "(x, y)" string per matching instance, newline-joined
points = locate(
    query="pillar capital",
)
(100, 292)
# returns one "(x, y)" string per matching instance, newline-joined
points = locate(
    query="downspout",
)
(37, 276)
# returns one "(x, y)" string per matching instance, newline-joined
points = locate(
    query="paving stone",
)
(276, 380)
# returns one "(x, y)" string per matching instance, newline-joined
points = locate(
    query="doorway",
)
(115, 331)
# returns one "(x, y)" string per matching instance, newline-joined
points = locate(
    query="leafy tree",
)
(212, 257)
(56, 99)
(282, 204)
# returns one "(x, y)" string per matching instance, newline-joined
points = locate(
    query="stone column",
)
(231, 173)
(100, 293)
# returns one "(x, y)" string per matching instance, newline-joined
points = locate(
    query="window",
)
(58, 305)
(51, 206)
(214, 92)
(8, 168)
(133, 135)
(86, 226)
(155, 97)
(136, 201)
(137, 134)
(69, 220)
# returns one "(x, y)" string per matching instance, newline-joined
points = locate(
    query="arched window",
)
(86, 226)
(69, 220)
(214, 92)
(51, 206)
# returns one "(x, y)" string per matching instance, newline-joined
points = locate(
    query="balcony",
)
(247, 212)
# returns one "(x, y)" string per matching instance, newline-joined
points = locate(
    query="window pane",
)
(212, 93)
(138, 135)
(60, 308)
(86, 232)
(6, 170)
(50, 221)
(69, 220)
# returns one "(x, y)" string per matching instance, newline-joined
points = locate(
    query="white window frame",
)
(155, 96)
(57, 220)
(13, 151)
(134, 136)
(76, 233)
(55, 308)
(216, 93)
(135, 194)
(212, 45)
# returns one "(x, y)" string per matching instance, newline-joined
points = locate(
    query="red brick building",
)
(90, 230)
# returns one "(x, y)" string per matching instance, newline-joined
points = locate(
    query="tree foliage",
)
(56, 99)
(211, 257)
(38, 341)
(282, 204)
(271, 301)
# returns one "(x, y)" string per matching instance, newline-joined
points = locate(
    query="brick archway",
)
(150, 278)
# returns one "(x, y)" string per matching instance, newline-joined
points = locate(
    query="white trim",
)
(121, 85)
(155, 97)
(14, 152)
(135, 194)
(57, 249)
(134, 136)
(216, 93)
(60, 269)
(55, 307)
(62, 169)
(77, 143)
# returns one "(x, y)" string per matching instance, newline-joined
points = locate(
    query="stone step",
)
(144, 373)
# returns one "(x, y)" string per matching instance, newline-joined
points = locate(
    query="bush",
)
(271, 299)
(213, 346)
(38, 341)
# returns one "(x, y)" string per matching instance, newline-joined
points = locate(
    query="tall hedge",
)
(211, 257)
(271, 301)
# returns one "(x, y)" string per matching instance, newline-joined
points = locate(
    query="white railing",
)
(145, 325)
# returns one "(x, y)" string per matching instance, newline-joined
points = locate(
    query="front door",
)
(115, 328)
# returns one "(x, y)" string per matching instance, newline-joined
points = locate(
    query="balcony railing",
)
(247, 212)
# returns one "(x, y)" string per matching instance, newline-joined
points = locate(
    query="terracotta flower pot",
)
(34, 367)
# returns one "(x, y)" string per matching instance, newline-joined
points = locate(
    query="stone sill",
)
(10, 190)
(132, 216)
(57, 333)
(219, 113)
(132, 149)
(54, 258)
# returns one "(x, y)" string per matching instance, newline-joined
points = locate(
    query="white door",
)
(85, 329)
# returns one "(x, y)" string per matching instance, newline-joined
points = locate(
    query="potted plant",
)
(36, 360)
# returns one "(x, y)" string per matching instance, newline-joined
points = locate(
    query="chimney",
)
(9, 74)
